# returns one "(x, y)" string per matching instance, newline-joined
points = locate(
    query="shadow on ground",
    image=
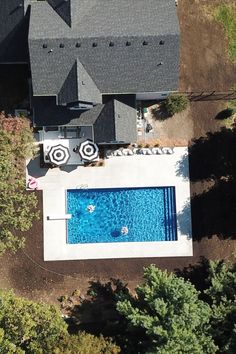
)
(97, 314)
(197, 273)
(34, 168)
(213, 158)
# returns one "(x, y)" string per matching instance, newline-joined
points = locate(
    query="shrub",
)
(17, 207)
(175, 104)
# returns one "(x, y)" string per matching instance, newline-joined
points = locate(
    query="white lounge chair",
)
(167, 150)
(135, 150)
(118, 153)
(109, 154)
(142, 151)
(127, 152)
(148, 151)
(157, 151)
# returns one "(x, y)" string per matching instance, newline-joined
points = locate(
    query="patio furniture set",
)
(139, 151)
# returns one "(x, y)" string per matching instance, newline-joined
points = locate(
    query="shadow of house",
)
(14, 54)
(14, 25)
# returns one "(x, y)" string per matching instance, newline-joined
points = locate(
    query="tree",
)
(36, 328)
(17, 207)
(222, 298)
(167, 315)
(175, 104)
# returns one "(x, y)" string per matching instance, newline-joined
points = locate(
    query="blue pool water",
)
(149, 214)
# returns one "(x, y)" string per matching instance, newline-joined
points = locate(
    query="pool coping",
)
(119, 172)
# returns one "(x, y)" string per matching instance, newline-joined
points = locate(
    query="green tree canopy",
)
(17, 207)
(167, 315)
(36, 328)
(222, 297)
(175, 103)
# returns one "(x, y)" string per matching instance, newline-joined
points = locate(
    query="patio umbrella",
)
(88, 150)
(59, 155)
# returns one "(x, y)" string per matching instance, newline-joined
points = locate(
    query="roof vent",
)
(95, 44)
(128, 44)
(161, 63)
(145, 43)
(162, 42)
(45, 45)
(62, 45)
(111, 44)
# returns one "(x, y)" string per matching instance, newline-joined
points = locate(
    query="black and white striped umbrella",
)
(59, 155)
(88, 150)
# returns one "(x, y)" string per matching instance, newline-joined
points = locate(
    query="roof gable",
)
(63, 9)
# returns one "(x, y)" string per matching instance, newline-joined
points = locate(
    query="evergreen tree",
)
(222, 297)
(167, 315)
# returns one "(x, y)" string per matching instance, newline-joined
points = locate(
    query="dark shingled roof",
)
(112, 121)
(78, 86)
(117, 44)
(63, 9)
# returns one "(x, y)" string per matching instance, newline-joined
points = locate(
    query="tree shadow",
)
(97, 314)
(184, 218)
(226, 113)
(197, 274)
(211, 157)
(160, 113)
(213, 212)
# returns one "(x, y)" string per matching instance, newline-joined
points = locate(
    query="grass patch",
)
(226, 14)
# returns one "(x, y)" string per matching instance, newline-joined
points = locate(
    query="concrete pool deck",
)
(122, 171)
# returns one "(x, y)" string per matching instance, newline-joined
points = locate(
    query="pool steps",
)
(170, 221)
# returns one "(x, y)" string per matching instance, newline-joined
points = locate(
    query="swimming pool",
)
(148, 213)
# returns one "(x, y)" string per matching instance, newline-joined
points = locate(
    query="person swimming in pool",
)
(90, 208)
(124, 230)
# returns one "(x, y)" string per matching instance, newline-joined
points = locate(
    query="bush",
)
(175, 104)
(17, 207)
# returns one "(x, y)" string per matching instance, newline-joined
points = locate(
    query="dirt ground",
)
(204, 66)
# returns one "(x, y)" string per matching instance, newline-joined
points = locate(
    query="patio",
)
(122, 171)
(68, 137)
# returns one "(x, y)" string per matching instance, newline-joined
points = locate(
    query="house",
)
(92, 60)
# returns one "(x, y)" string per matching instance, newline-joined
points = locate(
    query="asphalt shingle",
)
(117, 68)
